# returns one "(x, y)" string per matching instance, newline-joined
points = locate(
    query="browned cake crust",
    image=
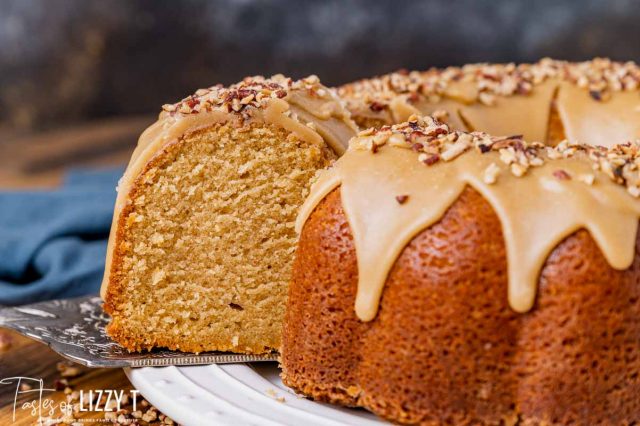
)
(445, 347)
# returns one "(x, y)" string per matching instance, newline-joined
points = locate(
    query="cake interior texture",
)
(205, 245)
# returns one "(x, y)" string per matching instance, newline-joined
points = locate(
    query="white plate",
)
(236, 394)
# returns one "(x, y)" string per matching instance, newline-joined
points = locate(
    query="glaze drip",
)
(540, 194)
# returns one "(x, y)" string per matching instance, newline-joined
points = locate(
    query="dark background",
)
(68, 61)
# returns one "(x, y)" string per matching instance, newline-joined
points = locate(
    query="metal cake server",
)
(75, 328)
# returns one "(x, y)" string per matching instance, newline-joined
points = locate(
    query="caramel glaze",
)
(603, 122)
(537, 211)
(311, 118)
(586, 120)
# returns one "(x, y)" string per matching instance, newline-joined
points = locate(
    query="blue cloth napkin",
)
(53, 243)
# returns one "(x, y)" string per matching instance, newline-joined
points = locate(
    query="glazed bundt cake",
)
(444, 277)
(203, 233)
(594, 102)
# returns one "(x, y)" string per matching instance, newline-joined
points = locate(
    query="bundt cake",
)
(595, 102)
(444, 277)
(203, 233)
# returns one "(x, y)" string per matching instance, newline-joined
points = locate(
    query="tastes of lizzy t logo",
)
(39, 405)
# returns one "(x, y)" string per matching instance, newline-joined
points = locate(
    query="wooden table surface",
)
(40, 161)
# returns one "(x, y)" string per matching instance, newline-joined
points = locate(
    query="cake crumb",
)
(273, 394)
(353, 391)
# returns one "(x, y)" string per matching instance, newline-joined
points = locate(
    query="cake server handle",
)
(75, 328)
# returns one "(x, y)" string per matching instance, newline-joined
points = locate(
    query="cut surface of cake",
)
(201, 246)
(444, 277)
(593, 102)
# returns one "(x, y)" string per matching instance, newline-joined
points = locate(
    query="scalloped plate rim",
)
(236, 394)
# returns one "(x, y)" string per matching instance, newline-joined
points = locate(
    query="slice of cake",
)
(452, 278)
(203, 234)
